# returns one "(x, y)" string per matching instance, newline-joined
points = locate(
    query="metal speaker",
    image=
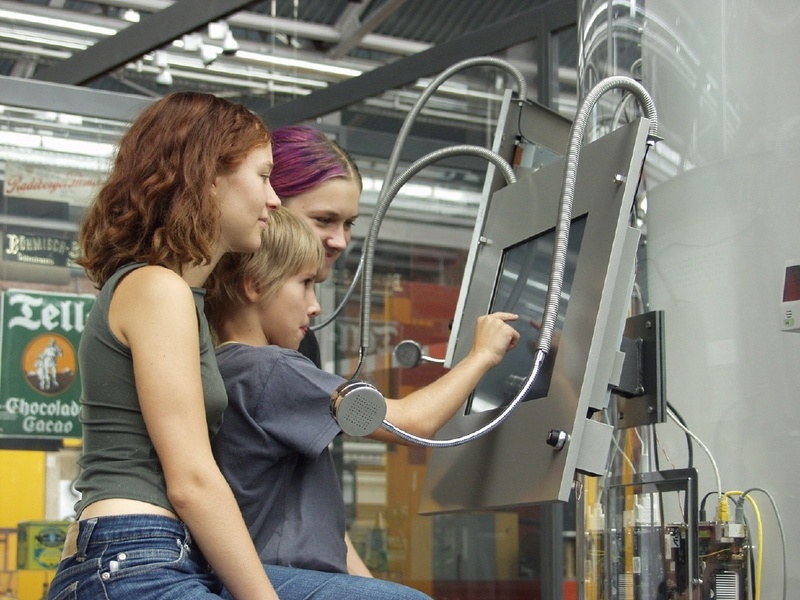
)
(358, 407)
(408, 354)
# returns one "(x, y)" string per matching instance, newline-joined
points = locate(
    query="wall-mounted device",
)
(790, 305)
(516, 463)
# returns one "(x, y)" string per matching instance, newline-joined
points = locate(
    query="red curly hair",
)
(156, 205)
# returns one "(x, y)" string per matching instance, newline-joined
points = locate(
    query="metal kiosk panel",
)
(513, 465)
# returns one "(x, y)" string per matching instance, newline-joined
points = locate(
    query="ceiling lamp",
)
(217, 30)
(131, 16)
(220, 30)
(229, 44)
(160, 59)
(208, 54)
(192, 42)
(164, 77)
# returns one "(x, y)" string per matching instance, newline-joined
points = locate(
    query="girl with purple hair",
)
(315, 178)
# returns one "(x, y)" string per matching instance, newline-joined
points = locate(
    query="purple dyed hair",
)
(304, 158)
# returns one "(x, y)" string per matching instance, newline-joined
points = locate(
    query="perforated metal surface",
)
(359, 408)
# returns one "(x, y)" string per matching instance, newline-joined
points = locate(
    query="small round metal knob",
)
(557, 438)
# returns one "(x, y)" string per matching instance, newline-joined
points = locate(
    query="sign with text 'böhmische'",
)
(39, 379)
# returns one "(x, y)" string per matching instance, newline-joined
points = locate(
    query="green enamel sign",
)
(39, 379)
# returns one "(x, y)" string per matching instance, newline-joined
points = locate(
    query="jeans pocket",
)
(141, 556)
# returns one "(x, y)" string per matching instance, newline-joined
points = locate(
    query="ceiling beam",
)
(354, 29)
(489, 40)
(153, 32)
(72, 100)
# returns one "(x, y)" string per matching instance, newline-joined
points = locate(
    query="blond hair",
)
(288, 247)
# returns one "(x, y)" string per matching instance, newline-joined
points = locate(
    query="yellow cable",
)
(723, 515)
(760, 543)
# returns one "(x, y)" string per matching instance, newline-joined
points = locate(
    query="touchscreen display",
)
(521, 288)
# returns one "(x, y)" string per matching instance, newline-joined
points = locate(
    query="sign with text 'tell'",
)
(39, 379)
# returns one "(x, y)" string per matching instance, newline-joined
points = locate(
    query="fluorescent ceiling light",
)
(459, 90)
(66, 145)
(44, 39)
(53, 159)
(411, 190)
(298, 64)
(55, 23)
(20, 140)
(417, 190)
(229, 71)
(69, 119)
(35, 51)
(369, 184)
(96, 149)
(268, 84)
(449, 194)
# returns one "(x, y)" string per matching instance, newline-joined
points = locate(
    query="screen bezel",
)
(498, 388)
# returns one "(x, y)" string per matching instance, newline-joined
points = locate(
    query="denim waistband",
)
(100, 530)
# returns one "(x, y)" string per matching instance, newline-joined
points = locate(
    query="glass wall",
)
(476, 555)
(720, 216)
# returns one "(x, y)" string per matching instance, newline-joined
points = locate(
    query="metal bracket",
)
(640, 389)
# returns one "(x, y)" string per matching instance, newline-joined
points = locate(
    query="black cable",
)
(689, 446)
(702, 515)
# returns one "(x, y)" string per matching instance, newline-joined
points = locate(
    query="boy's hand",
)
(494, 336)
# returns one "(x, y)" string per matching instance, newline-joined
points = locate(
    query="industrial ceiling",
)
(291, 60)
(355, 68)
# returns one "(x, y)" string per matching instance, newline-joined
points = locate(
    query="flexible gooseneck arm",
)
(577, 133)
(559, 254)
(380, 213)
(345, 299)
(394, 158)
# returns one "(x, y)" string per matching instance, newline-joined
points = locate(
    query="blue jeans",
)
(132, 556)
(142, 557)
(303, 584)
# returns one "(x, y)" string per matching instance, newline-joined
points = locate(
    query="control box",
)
(790, 304)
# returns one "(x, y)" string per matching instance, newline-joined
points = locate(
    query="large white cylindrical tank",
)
(722, 220)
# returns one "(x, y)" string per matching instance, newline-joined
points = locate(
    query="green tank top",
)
(118, 459)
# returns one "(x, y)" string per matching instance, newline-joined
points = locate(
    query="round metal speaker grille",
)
(361, 410)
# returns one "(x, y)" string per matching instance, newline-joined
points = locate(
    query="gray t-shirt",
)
(272, 448)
